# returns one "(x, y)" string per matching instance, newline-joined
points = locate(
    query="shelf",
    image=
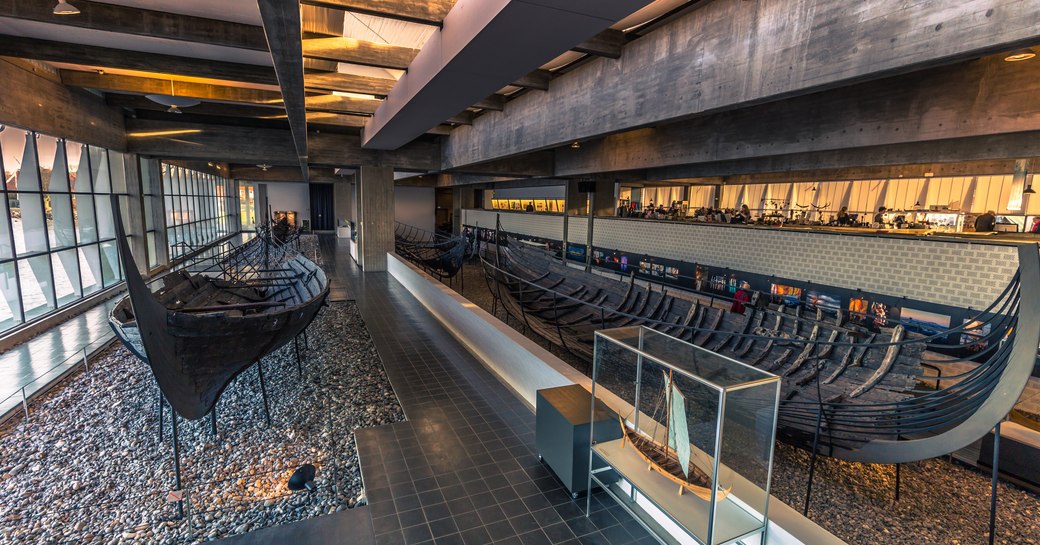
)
(688, 511)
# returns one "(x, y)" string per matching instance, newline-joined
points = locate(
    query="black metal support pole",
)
(299, 366)
(306, 341)
(160, 405)
(993, 486)
(213, 421)
(263, 392)
(897, 480)
(176, 463)
(812, 462)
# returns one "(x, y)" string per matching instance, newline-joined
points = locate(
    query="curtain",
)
(323, 216)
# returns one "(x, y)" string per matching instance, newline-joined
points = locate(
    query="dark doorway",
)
(323, 214)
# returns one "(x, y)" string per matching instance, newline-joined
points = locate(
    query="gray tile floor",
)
(462, 469)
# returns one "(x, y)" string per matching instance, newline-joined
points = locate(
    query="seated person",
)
(843, 216)
(879, 218)
(985, 222)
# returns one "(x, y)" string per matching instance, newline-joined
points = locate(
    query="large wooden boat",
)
(199, 331)
(847, 391)
(671, 457)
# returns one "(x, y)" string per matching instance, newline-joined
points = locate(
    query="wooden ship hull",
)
(843, 387)
(198, 332)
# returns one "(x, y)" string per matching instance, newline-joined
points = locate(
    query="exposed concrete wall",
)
(950, 273)
(289, 196)
(973, 99)
(31, 100)
(343, 196)
(375, 200)
(732, 53)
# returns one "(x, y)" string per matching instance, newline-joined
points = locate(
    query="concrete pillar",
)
(343, 199)
(375, 207)
(461, 199)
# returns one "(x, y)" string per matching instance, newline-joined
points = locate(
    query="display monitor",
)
(671, 272)
(974, 334)
(826, 301)
(787, 295)
(924, 321)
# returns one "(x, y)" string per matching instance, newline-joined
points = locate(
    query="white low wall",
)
(525, 367)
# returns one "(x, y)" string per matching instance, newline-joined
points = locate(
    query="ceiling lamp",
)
(174, 102)
(1020, 55)
(576, 145)
(263, 166)
(65, 8)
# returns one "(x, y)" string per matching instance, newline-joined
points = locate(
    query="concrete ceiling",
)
(237, 11)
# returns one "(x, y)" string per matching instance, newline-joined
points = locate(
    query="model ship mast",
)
(671, 459)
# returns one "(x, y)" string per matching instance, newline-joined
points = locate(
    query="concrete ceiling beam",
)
(349, 83)
(283, 27)
(147, 86)
(427, 12)
(360, 52)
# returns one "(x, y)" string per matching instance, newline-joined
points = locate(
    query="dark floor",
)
(462, 469)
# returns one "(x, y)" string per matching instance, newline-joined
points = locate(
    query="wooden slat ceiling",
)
(217, 51)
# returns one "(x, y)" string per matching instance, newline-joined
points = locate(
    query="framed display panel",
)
(711, 414)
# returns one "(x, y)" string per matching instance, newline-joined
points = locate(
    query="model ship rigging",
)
(672, 457)
(846, 392)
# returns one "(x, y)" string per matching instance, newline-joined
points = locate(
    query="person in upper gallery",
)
(985, 222)
(744, 216)
(879, 218)
(843, 216)
(529, 207)
(1035, 229)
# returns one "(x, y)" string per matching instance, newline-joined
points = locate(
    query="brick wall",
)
(958, 274)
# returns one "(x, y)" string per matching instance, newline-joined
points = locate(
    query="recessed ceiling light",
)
(65, 8)
(1020, 55)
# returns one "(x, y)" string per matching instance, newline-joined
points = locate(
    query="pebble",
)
(89, 465)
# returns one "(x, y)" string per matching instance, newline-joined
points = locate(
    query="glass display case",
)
(698, 430)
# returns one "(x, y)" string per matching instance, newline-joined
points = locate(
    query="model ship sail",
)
(672, 459)
(678, 432)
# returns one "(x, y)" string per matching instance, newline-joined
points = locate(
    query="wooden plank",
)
(147, 86)
(427, 12)
(341, 105)
(338, 120)
(283, 28)
(359, 52)
(349, 83)
(605, 44)
(46, 50)
(141, 22)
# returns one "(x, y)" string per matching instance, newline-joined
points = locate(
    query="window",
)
(57, 233)
(199, 208)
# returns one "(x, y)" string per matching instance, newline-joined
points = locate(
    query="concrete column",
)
(375, 206)
(343, 198)
(461, 198)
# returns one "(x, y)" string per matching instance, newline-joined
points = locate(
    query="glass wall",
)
(57, 233)
(247, 203)
(200, 208)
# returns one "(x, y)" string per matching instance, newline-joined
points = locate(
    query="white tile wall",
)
(950, 273)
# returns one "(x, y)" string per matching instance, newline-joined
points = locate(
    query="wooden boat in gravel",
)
(199, 331)
(853, 393)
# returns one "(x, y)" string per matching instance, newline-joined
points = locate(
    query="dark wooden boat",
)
(439, 255)
(199, 331)
(845, 391)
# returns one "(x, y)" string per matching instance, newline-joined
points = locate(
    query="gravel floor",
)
(941, 502)
(88, 466)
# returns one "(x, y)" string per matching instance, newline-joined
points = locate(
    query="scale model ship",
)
(199, 331)
(845, 392)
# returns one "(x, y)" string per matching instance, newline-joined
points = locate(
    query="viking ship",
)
(199, 331)
(438, 254)
(672, 457)
(847, 391)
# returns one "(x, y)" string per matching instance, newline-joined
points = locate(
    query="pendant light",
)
(174, 102)
(65, 8)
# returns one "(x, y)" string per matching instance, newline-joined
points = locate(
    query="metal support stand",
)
(263, 392)
(213, 421)
(993, 486)
(160, 408)
(897, 480)
(25, 404)
(176, 464)
(812, 463)
(299, 366)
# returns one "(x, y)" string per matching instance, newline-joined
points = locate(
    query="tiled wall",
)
(950, 273)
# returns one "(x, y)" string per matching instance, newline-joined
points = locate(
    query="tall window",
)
(57, 233)
(246, 202)
(199, 208)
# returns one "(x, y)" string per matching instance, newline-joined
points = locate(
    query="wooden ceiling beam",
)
(147, 86)
(349, 83)
(341, 105)
(50, 51)
(141, 22)
(336, 120)
(359, 52)
(426, 12)
(605, 44)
